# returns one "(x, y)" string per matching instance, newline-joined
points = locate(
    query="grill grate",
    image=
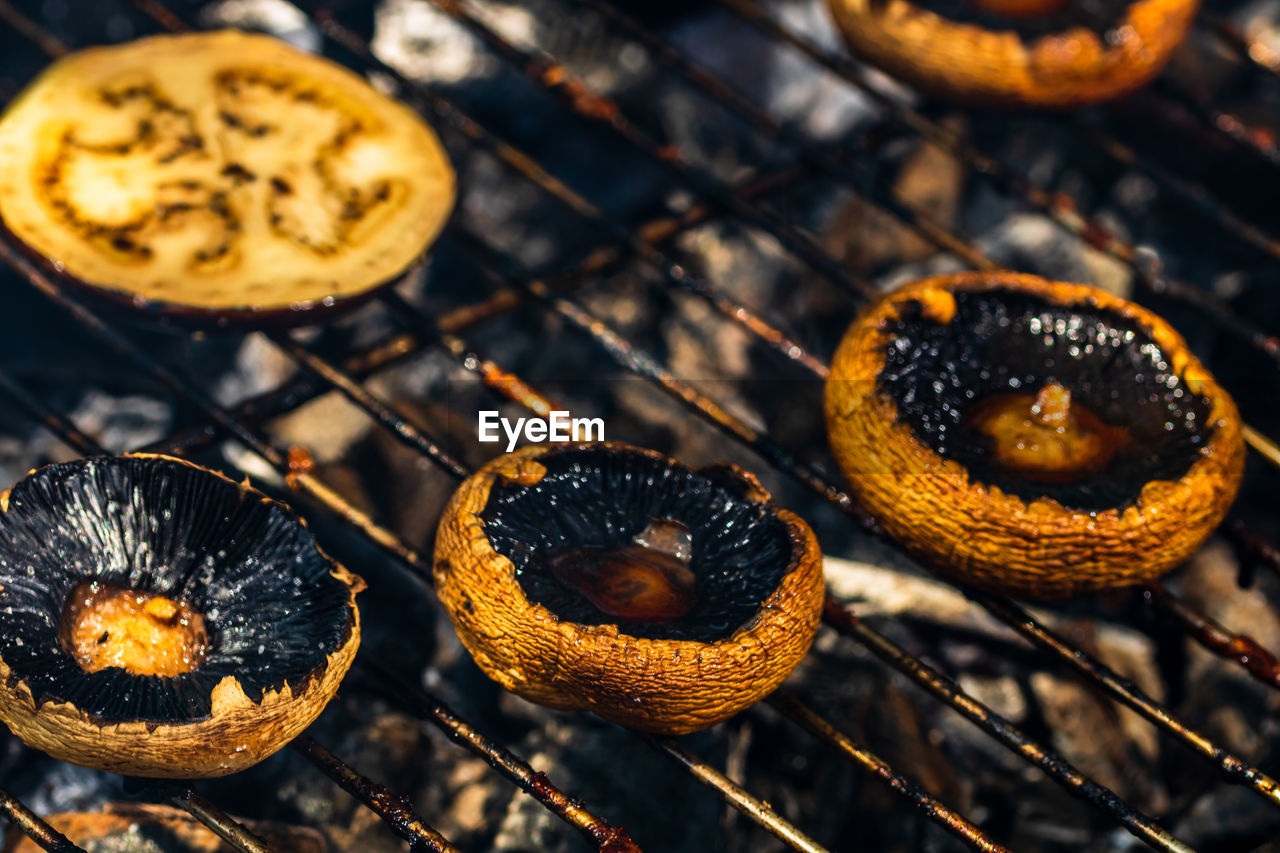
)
(555, 295)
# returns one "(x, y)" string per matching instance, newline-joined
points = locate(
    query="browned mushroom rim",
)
(1043, 398)
(617, 536)
(118, 551)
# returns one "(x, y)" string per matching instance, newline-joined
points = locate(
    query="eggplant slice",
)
(220, 174)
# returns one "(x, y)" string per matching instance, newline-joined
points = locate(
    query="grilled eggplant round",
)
(1030, 436)
(609, 578)
(220, 177)
(161, 620)
(996, 57)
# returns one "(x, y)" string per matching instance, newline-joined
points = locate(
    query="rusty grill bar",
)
(422, 331)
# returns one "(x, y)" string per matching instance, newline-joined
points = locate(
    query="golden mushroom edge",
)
(1017, 539)
(656, 684)
(216, 721)
(994, 67)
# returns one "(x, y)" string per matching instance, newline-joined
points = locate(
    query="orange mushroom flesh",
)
(646, 581)
(1045, 437)
(143, 634)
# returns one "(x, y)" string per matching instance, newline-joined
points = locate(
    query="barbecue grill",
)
(1201, 150)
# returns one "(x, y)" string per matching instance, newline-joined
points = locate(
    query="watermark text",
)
(558, 427)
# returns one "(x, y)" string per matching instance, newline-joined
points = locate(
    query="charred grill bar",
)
(346, 379)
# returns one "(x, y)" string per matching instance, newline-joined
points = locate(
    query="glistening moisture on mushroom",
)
(147, 594)
(601, 500)
(614, 579)
(1010, 343)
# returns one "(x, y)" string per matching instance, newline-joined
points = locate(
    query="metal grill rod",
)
(393, 808)
(575, 96)
(217, 821)
(789, 706)
(741, 799)
(1199, 106)
(34, 827)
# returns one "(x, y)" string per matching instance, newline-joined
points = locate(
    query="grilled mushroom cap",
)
(538, 565)
(162, 620)
(1031, 436)
(146, 828)
(988, 60)
(220, 175)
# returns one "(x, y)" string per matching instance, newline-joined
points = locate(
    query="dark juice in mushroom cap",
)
(1031, 19)
(1070, 402)
(646, 581)
(139, 632)
(617, 537)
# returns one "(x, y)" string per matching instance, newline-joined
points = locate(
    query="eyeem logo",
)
(558, 427)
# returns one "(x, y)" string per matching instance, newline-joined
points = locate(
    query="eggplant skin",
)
(983, 535)
(989, 67)
(283, 624)
(220, 178)
(667, 686)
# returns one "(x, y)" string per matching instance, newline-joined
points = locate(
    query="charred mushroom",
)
(613, 579)
(220, 176)
(1028, 53)
(1031, 436)
(146, 828)
(162, 620)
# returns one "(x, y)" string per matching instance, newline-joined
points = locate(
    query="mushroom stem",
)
(1052, 407)
(1047, 438)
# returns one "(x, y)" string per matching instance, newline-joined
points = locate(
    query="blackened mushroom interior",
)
(272, 610)
(601, 499)
(1102, 17)
(1002, 342)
